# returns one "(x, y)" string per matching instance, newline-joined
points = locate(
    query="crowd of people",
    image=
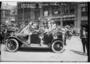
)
(5, 32)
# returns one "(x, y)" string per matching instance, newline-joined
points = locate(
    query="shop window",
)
(84, 11)
(37, 13)
(46, 13)
(83, 22)
(66, 10)
(68, 22)
(84, 14)
(72, 10)
(56, 12)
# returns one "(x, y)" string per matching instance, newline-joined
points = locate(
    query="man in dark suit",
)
(84, 38)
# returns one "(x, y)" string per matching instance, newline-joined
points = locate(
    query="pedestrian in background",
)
(84, 38)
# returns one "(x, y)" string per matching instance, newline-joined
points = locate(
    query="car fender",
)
(57, 40)
(14, 37)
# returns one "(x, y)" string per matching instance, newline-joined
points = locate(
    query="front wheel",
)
(12, 45)
(57, 46)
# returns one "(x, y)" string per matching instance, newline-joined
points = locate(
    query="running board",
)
(36, 46)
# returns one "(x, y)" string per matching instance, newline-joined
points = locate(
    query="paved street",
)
(73, 52)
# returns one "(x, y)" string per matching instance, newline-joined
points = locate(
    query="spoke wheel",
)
(12, 45)
(57, 46)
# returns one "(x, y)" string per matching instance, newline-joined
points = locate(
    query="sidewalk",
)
(74, 44)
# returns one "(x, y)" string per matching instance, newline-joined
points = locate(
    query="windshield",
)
(32, 26)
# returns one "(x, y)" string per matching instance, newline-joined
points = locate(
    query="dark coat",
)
(86, 32)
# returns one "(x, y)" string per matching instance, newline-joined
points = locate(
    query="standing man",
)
(84, 38)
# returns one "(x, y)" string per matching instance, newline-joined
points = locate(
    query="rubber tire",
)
(17, 46)
(52, 47)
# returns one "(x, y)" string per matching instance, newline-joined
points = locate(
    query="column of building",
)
(61, 14)
(78, 20)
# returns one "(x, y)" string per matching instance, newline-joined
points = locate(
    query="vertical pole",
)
(61, 14)
(78, 22)
(23, 15)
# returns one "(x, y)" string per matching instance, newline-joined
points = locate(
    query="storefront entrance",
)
(68, 22)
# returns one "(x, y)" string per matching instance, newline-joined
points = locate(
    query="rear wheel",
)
(57, 46)
(12, 45)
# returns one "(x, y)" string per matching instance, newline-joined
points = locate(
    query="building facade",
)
(0, 14)
(0, 11)
(84, 13)
(5, 15)
(63, 13)
(8, 13)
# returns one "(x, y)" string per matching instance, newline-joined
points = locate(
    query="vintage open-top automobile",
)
(31, 36)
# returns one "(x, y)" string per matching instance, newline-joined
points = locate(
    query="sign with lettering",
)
(28, 6)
